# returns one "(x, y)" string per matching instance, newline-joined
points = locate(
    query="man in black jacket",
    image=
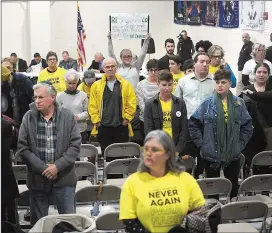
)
(245, 55)
(163, 62)
(97, 63)
(185, 48)
(19, 64)
(37, 59)
(268, 55)
(167, 112)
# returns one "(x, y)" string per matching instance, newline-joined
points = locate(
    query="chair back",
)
(244, 210)
(109, 222)
(84, 168)
(215, 186)
(263, 158)
(122, 166)
(20, 172)
(128, 149)
(189, 163)
(88, 150)
(256, 183)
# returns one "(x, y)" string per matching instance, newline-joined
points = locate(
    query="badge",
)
(178, 114)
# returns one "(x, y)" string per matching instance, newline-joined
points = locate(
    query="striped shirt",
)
(145, 91)
(47, 139)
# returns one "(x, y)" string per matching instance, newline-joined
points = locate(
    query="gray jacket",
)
(67, 149)
(70, 64)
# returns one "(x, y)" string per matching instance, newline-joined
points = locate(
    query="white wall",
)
(95, 16)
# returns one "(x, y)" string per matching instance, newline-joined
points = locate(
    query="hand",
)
(76, 118)
(247, 92)
(177, 154)
(125, 122)
(50, 172)
(97, 124)
(109, 35)
(223, 62)
(96, 71)
(148, 36)
(185, 157)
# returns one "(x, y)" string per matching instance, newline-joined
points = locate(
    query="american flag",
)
(81, 36)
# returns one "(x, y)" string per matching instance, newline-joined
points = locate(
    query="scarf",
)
(224, 129)
(74, 92)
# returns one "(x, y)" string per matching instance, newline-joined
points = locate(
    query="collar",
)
(209, 76)
(51, 71)
(52, 118)
(156, 98)
(118, 77)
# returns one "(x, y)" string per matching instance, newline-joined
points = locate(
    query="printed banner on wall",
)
(228, 14)
(251, 15)
(209, 12)
(193, 13)
(179, 12)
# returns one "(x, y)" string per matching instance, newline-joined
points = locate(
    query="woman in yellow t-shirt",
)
(158, 196)
(175, 68)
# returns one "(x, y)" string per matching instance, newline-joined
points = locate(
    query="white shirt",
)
(193, 91)
(249, 68)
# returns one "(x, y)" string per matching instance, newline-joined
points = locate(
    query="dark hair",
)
(153, 63)
(203, 44)
(65, 52)
(183, 31)
(169, 40)
(199, 54)
(165, 75)
(37, 55)
(222, 73)
(13, 55)
(262, 65)
(50, 54)
(188, 64)
(175, 58)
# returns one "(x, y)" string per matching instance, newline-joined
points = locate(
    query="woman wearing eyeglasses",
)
(161, 193)
(221, 128)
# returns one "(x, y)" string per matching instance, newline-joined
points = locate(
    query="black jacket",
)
(185, 49)
(153, 119)
(95, 66)
(8, 182)
(244, 55)
(163, 63)
(268, 55)
(33, 63)
(22, 66)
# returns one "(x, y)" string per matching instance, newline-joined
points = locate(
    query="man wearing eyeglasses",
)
(53, 73)
(112, 106)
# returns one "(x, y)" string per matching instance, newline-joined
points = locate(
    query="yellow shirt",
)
(213, 69)
(225, 108)
(167, 119)
(56, 78)
(159, 203)
(176, 78)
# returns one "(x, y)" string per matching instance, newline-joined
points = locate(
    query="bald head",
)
(245, 38)
(109, 67)
(98, 57)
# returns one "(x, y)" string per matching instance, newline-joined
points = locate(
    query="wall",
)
(95, 16)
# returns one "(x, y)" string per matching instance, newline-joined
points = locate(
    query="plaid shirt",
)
(47, 139)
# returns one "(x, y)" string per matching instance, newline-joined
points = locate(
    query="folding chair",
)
(122, 150)
(215, 186)
(189, 163)
(88, 195)
(263, 158)
(88, 151)
(269, 224)
(109, 222)
(242, 164)
(242, 211)
(120, 166)
(20, 173)
(84, 168)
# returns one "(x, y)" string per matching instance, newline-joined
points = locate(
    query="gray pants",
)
(63, 197)
(239, 86)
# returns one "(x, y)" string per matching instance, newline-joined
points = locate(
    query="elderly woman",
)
(258, 56)
(76, 101)
(216, 54)
(221, 127)
(160, 194)
(258, 98)
(129, 68)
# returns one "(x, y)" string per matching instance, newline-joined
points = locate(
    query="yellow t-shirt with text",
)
(225, 108)
(167, 119)
(161, 202)
(213, 69)
(176, 78)
(56, 78)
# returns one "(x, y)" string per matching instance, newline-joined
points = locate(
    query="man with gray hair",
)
(49, 143)
(245, 55)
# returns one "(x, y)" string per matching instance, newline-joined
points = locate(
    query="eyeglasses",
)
(128, 56)
(51, 59)
(217, 57)
(153, 70)
(153, 150)
(110, 67)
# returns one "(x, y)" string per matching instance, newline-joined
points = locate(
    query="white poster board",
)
(129, 25)
(252, 15)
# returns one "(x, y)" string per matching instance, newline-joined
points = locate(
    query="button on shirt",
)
(193, 91)
(46, 139)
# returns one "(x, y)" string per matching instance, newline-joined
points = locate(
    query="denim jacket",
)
(202, 128)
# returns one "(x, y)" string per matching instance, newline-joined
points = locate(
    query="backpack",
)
(15, 132)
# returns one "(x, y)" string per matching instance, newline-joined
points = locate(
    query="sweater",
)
(78, 104)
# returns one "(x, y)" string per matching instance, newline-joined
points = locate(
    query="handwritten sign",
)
(129, 25)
